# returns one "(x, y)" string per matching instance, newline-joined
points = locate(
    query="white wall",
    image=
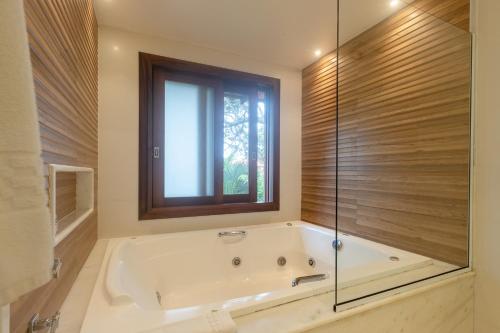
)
(486, 254)
(118, 134)
(4, 318)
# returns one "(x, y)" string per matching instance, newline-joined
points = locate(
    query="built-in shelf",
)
(84, 201)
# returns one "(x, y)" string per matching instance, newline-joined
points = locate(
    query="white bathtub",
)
(149, 281)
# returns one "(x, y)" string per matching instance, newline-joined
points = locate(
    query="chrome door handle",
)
(241, 233)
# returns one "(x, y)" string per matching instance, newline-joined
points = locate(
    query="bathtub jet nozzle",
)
(236, 261)
(281, 261)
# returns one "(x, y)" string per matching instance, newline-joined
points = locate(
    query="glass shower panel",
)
(403, 148)
(318, 20)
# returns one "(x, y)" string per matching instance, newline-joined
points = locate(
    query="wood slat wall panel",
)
(63, 44)
(66, 194)
(404, 129)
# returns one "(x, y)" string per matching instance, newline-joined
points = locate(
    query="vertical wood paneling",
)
(63, 44)
(404, 119)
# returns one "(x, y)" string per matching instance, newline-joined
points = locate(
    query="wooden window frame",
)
(151, 205)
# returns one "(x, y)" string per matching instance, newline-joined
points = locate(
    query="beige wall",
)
(486, 225)
(118, 134)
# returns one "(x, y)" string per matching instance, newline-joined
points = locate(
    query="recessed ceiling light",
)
(317, 53)
(394, 3)
(116, 48)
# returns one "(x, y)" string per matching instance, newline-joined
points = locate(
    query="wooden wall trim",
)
(404, 133)
(63, 44)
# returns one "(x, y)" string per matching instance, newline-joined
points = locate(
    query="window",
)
(209, 140)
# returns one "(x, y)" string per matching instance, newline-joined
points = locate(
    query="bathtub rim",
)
(241, 305)
(280, 301)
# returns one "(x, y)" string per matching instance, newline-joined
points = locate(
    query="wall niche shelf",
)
(83, 199)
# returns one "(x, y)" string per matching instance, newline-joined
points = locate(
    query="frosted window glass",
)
(189, 145)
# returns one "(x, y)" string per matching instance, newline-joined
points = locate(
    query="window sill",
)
(205, 210)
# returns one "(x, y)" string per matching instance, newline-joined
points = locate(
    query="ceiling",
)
(284, 32)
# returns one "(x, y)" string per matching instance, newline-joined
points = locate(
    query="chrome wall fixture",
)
(37, 324)
(56, 268)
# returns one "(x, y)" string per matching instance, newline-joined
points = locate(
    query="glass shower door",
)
(403, 144)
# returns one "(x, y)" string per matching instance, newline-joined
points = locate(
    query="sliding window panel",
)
(238, 144)
(263, 145)
(404, 82)
(184, 140)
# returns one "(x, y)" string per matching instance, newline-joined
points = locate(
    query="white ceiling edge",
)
(202, 47)
(286, 36)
